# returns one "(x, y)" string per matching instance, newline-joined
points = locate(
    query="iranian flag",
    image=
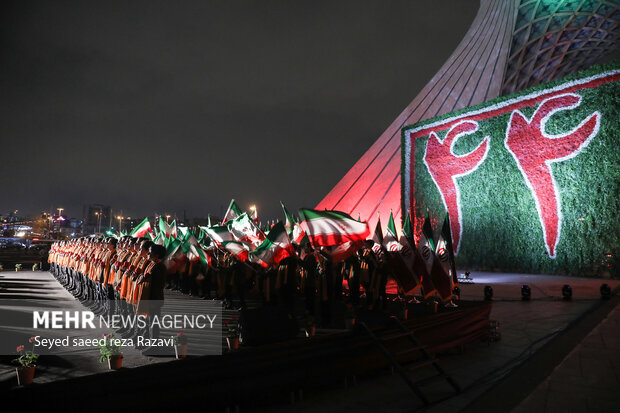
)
(174, 254)
(205, 258)
(172, 246)
(222, 237)
(403, 262)
(232, 212)
(425, 258)
(184, 231)
(426, 244)
(275, 247)
(160, 239)
(219, 233)
(194, 252)
(293, 229)
(201, 235)
(188, 242)
(345, 250)
(142, 229)
(290, 221)
(173, 229)
(390, 239)
(254, 214)
(164, 228)
(332, 227)
(377, 238)
(445, 277)
(407, 234)
(246, 230)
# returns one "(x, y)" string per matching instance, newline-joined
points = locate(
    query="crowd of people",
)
(118, 275)
(125, 276)
(284, 266)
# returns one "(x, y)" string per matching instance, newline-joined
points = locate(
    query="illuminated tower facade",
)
(511, 45)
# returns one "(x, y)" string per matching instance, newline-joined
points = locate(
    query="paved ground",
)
(44, 288)
(553, 354)
(526, 328)
(588, 379)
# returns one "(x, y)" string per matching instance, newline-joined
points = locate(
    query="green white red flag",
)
(407, 232)
(426, 244)
(254, 214)
(222, 237)
(173, 229)
(290, 221)
(345, 250)
(238, 249)
(246, 230)
(142, 229)
(160, 239)
(274, 248)
(446, 278)
(293, 229)
(164, 228)
(377, 238)
(403, 262)
(219, 233)
(329, 228)
(425, 257)
(182, 232)
(172, 245)
(390, 239)
(232, 212)
(194, 251)
(205, 258)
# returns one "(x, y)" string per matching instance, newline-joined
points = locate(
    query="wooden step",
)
(396, 336)
(419, 364)
(408, 351)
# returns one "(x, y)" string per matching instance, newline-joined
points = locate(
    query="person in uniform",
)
(152, 296)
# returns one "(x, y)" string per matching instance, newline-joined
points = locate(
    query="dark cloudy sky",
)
(161, 106)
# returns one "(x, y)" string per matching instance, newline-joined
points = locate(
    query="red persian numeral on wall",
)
(533, 150)
(445, 166)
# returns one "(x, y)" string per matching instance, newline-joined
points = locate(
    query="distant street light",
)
(167, 217)
(120, 223)
(98, 221)
(60, 211)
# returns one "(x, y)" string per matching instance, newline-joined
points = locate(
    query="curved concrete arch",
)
(503, 51)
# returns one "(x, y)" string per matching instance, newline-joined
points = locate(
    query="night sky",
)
(159, 107)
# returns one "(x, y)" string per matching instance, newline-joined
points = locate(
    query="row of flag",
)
(428, 267)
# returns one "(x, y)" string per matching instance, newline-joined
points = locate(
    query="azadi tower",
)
(511, 45)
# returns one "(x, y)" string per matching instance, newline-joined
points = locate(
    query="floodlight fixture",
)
(488, 293)
(567, 292)
(526, 292)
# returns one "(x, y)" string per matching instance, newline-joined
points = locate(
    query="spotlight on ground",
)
(526, 292)
(567, 292)
(488, 293)
(605, 292)
(456, 293)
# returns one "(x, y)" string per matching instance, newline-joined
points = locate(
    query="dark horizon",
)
(154, 108)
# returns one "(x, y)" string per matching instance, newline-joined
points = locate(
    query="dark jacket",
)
(158, 281)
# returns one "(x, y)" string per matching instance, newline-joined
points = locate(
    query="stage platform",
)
(525, 328)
